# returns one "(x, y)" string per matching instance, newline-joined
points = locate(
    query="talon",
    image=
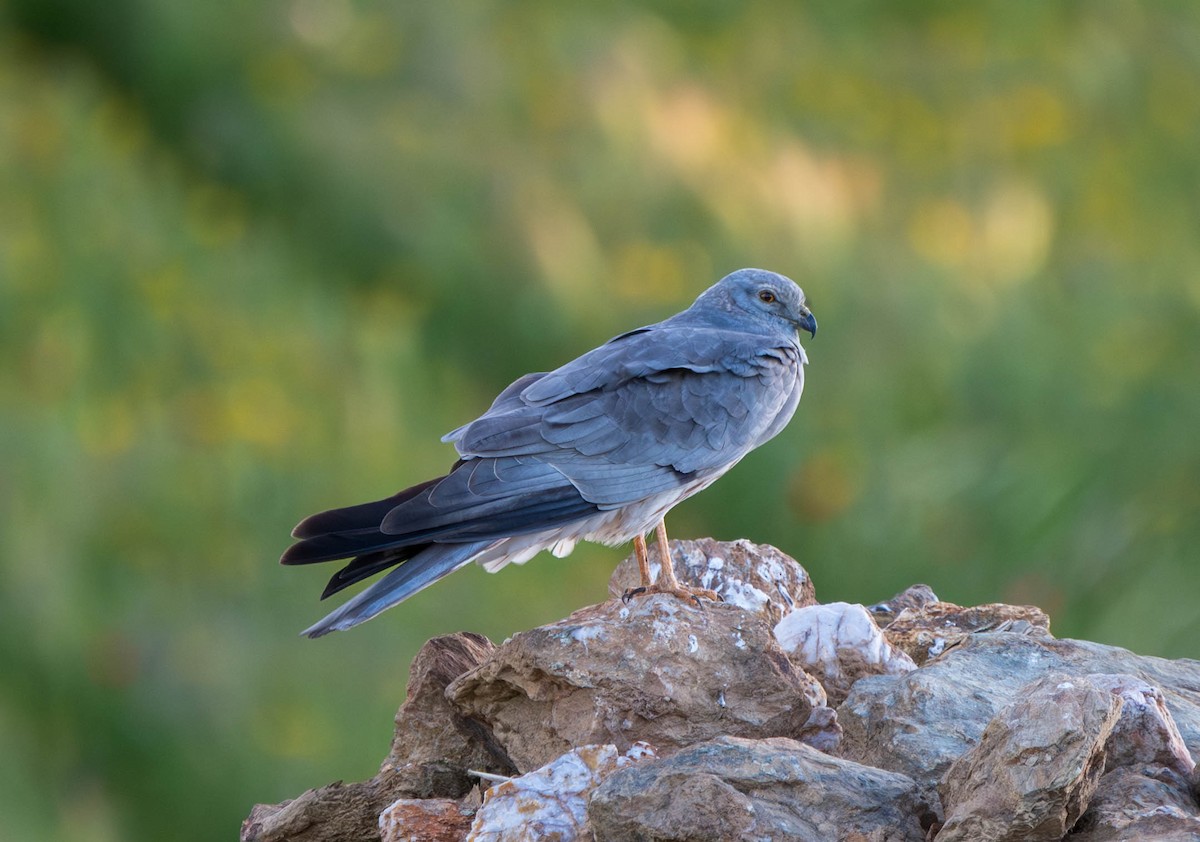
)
(630, 593)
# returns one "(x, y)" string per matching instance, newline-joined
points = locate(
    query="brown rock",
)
(1146, 732)
(838, 644)
(773, 789)
(659, 669)
(1139, 803)
(755, 577)
(918, 723)
(435, 743)
(425, 820)
(926, 631)
(1036, 766)
(433, 747)
(551, 802)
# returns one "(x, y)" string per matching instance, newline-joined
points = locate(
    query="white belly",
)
(610, 528)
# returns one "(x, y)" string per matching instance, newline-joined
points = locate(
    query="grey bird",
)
(597, 450)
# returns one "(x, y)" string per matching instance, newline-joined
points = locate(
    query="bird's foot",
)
(687, 594)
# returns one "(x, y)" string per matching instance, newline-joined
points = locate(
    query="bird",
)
(599, 449)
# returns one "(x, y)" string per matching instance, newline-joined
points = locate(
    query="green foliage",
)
(256, 257)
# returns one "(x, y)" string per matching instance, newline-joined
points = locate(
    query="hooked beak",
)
(807, 322)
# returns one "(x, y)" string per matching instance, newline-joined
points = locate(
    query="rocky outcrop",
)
(921, 722)
(653, 718)
(658, 670)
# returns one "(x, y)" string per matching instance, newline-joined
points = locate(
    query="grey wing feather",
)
(646, 412)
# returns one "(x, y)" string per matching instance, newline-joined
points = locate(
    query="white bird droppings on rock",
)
(755, 577)
(839, 643)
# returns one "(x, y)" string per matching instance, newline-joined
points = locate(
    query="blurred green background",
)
(256, 257)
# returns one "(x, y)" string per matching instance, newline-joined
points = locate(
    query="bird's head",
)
(765, 296)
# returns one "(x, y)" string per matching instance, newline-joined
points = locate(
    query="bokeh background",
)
(256, 257)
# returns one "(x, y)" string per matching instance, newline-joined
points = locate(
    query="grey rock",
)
(659, 670)
(1036, 766)
(920, 722)
(755, 577)
(773, 789)
(1139, 803)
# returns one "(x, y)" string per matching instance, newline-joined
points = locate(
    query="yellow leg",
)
(666, 577)
(643, 559)
(667, 583)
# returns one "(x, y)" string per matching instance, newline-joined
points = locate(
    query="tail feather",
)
(362, 516)
(367, 565)
(431, 530)
(339, 545)
(419, 572)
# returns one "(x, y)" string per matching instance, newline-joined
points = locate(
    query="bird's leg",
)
(643, 559)
(666, 576)
(666, 583)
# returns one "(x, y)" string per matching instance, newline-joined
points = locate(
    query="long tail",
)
(418, 572)
(430, 530)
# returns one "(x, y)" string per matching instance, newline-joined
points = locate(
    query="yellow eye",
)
(766, 296)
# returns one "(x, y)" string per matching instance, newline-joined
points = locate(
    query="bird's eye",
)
(766, 296)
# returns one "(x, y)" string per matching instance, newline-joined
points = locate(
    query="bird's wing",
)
(645, 412)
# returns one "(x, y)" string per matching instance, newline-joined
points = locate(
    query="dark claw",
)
(630, 593)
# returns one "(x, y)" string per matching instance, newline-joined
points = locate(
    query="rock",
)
(838, 644)
(772, 789)
(1036, 766)
(755, 577)
(659, 670)
(1146, 732)
(1138, 803)
(926, 631)
(915, 597)
(334, 813)
(434, 745)
(551, 802)
(822, 731)
(425, 820)
(920, 722)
